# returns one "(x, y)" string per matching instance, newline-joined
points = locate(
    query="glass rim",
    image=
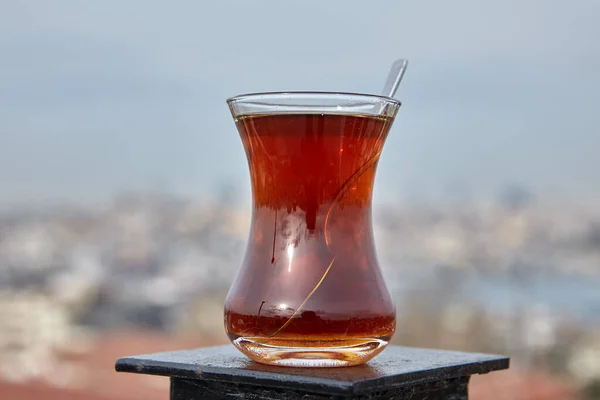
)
(353, 96)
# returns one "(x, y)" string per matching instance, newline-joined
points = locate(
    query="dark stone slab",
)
(224, 371)
(191, 389)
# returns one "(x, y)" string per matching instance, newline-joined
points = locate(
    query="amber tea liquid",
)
(310, 280)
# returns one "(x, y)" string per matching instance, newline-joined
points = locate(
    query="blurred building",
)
(497, 277)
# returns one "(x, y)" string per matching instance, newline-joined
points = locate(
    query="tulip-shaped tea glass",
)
(310, 291)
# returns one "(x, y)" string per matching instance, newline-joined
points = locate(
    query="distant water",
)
(573, 296)
(562, 294)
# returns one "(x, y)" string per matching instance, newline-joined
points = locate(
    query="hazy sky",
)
(106, 96)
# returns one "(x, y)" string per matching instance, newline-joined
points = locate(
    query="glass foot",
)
(317, 353)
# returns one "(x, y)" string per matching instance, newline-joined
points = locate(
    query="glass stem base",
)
(310, 353)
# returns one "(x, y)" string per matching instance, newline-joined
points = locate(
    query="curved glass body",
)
(310, 291)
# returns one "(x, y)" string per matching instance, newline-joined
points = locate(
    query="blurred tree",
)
(592, 390)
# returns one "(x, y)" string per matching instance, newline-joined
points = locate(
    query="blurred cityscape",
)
(514, 275)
